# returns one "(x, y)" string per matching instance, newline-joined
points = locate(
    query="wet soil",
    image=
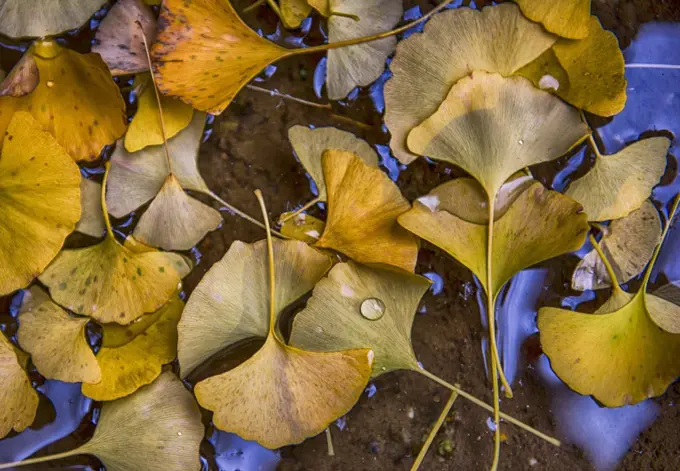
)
(248, 149)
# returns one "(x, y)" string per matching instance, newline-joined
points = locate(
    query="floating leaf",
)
(294, 11)
(363, 206)
(333, 320)
(22, 79)
(92, 219)
(594, 68)
(566, 18)
(138, 361)
(204, 53)
(56, 340)
(119, 38)
(302, 227)
(619, 183)
(542, 128)
(539, 225)
(145, 127)
(454, 44)
(310, 144)
(76, 100)
(361, 65)
(39, 201)
(19, 400)
(36, 18)
(628, 243)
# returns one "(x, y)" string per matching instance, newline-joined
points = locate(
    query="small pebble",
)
(533, 462)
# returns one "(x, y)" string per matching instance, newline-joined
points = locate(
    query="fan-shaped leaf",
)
(37, 18)
(19, 400)
(92, 218)
(566, 18)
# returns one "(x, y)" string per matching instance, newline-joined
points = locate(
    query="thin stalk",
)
(41, 459)
(366, 39)
(273, 5)
(491, 319)
(244, 215)
(304, 207)
(607, 265)
(652, 66)
(254, 5)
(657, 250)
(270, 256)
(593, 145)
(433, 432)
(484, 405)
(329, 442)
(105, 210)
(344, 15)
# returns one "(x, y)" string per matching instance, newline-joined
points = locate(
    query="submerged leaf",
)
(302, 227)
(111, 282)
(310, 144)
(363, 206)
(18, 398)
(119, 38)
(55, 340)
(39, 201)
(205, 53)
(619, 183)
(294, 11)
(37, 18)
(539, 225)
(22, 79)
(566, 18)
(138, 361)
(333, 321)
(628, 243)
(454, 44)
(360, 65)
(92, 218)
(542, 128)
(145, 128)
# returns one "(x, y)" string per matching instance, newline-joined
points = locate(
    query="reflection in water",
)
(232, 453)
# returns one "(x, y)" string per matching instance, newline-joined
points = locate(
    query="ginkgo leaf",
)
(619, 183)
(22, 79)
(128, 366)
(56, 340)
(111, 282)
(310, 144)
(594, 70)
(363, 206)
(333, 319)
(92, 218)
(566, 18)
(39, 201)
(294, 11)
(19, 399)
(539, 225)
(175, 220)
(454, 44)
(145, 127)
(669, 292)
(542, 128)
(76, 100)
(37, 18)
(230, 302)
(302, 227)
(322, 6)
(135, 179)
(119, 38)
(628, 243)
(360, 65)
(204, 53)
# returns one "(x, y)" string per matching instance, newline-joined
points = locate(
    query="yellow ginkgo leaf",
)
(363, 206)
(56, 340)
(310, 144)
(19, 399)
(125, 367)
(593, 67)
(145, 127)
(566, 18)
(360, 65)
(22, 79)
(119, 38)
(36, 18)
(302, 227)
(539, 225)
(454, 44)
(338, 316)
(619, 183)
(76, 100)
(628, 243)
(92, 219)
(39, 201)
(294, 11)
(542, 128)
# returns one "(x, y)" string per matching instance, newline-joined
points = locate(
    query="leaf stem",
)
(245, 216)
(270, 256)
(487, 407)
(254, 5)
(434, 431)
(657, 250)
(610, 270)
(105, 209)
(591, 138)
(304, 207)
(375, 37)
(41, 459)
(491, 319)
(329, 442)
(272, 4)
(652, 66)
